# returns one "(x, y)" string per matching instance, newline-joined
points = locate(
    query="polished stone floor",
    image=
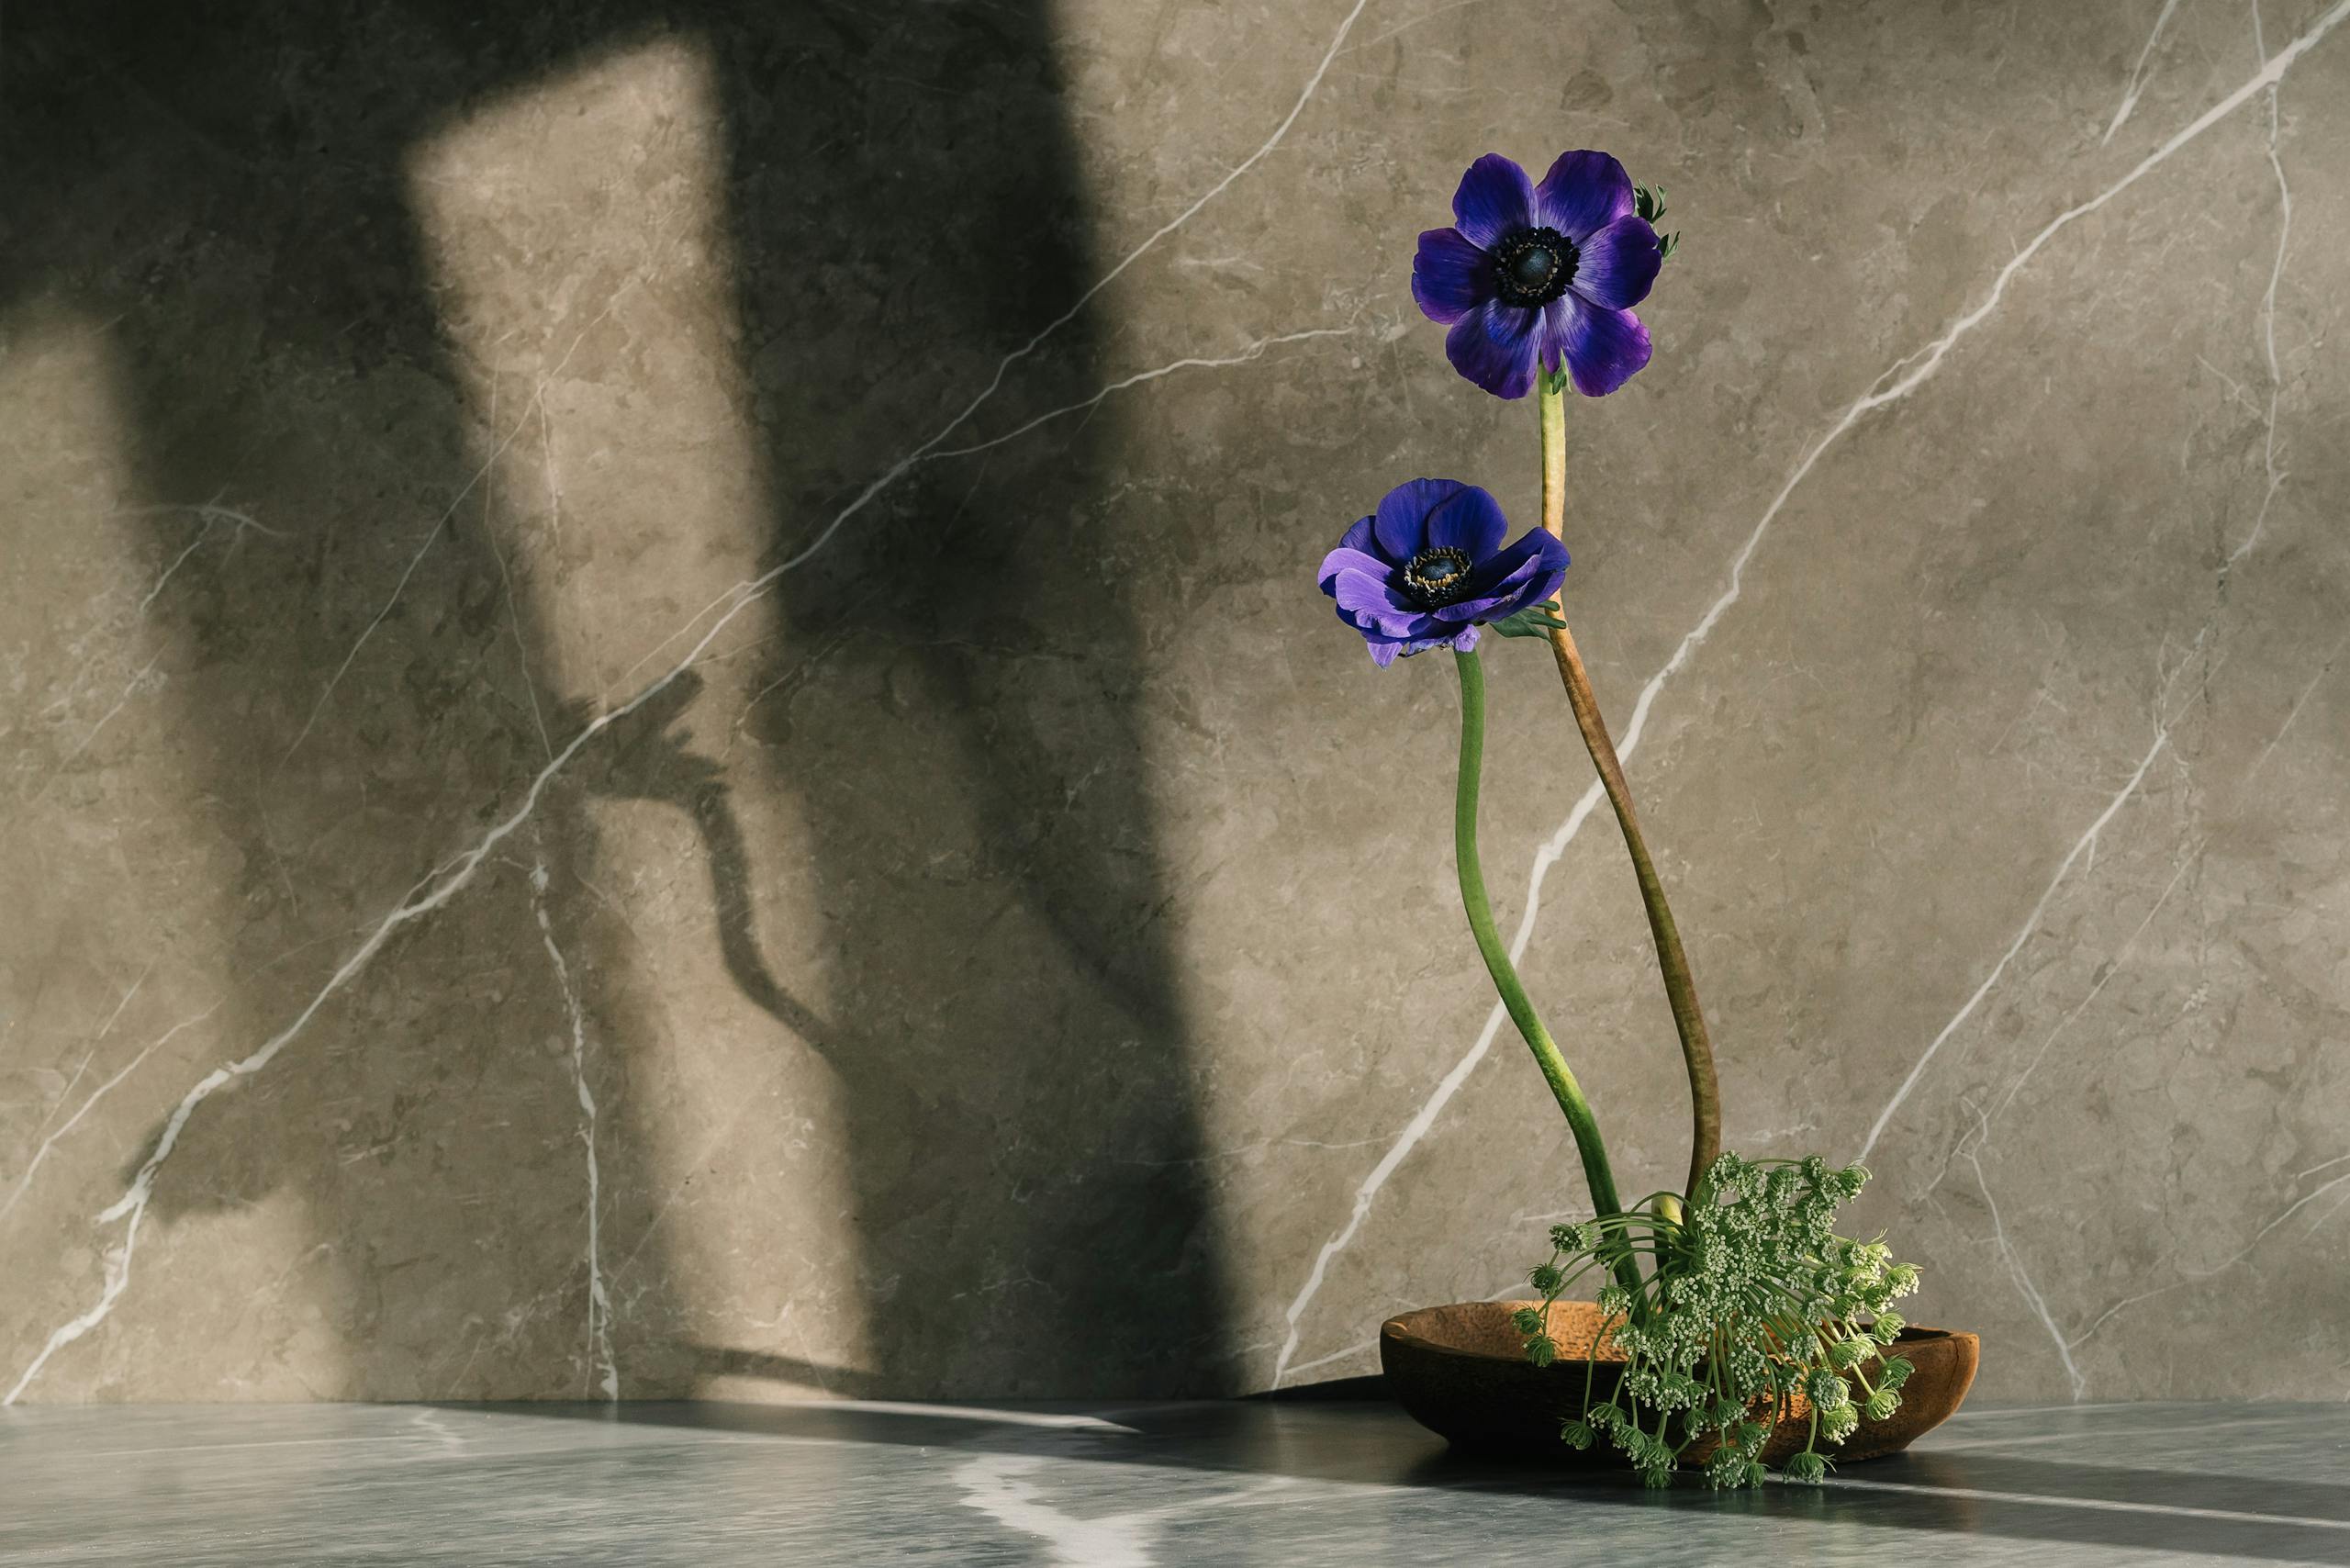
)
(1293, 1483)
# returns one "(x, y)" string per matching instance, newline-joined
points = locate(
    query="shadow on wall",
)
(949, 698)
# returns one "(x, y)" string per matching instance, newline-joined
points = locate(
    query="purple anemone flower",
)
(1429, 567)
(1544, 273)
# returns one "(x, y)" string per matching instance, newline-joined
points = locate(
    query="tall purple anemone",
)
(1544, 275)
(1429, 567)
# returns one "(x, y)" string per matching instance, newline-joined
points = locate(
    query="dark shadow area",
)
(2051, 1501)
(224, 194)
(1001, 1005)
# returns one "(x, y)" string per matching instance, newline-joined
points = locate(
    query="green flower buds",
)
(1807, 1467)
(1752, 1298)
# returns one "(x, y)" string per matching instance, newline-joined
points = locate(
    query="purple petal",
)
(1617, 264)
(1467, 642)
(1403, 519)
(1494, 346)
(1537, 555)
(1495, 199)
(1584, 193)
(1602, 348)
(1450, 276)
(1347, 558)
(1386, 650)
(1359, 537)
(1469, 521)
(1374, 606)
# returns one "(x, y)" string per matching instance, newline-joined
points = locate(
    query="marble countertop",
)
(1292, 1482)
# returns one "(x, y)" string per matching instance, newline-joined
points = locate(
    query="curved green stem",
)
(1673, 963)
(1555, 1071)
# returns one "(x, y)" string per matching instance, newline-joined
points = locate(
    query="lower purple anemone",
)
(1429, 567)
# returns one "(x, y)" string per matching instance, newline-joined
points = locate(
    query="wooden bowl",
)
(1461, 1371)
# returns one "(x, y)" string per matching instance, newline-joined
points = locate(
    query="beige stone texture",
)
(668, 733)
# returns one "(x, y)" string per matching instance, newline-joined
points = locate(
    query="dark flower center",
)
(1534, 266)
(1437, 576)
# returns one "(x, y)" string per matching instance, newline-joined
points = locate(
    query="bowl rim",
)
(1399, 1329)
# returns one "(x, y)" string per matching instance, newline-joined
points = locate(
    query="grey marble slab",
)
(1291, 1483)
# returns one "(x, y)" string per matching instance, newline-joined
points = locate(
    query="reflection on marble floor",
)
(1299, 1484)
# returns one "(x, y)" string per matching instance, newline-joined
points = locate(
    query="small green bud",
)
(1527, 1320)
(1896, 1371)
(1888, 1328)
(1839, 1423)
(1805, 1467)
(1542, 1350)
(1826, 1390)
(1546, 1279)
(1902, 1278)
(1845, 1354)
(1604, 1418)
(1657, 1477)
(1882, 1404)
(1614, 1300)
(1575, 1434)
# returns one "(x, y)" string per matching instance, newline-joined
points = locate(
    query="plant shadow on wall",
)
(947, 703)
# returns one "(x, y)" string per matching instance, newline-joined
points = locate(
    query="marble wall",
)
(668, 730)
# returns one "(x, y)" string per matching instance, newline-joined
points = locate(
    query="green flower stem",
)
(1555, 1071)
(1680, 989)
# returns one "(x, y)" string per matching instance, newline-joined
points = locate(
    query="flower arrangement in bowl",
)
(1733, 1328)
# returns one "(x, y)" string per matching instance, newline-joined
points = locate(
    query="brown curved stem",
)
(1672, 962)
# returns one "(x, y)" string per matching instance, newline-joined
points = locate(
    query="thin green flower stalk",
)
(1752, 1300)
(1546, 1055)
(1672, 962)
